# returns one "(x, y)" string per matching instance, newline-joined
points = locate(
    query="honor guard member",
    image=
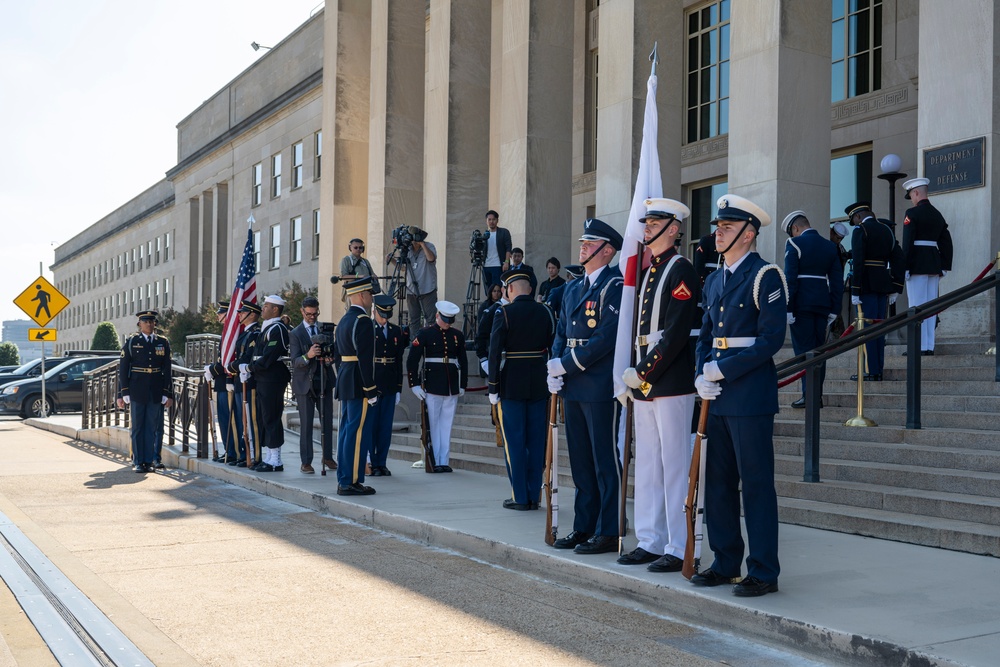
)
(581, 371)
(313, 382)
(245, 394)
(445, 376)
(928, 250)
(706, 257)
(519, 350)
(872, 245)
(815, 287)
(390, 344)
(555, 296)
(663, 389)
(356, 388)
(271, 377)
(144, 378)
(230, 419)
(484, 328)
(744, 327)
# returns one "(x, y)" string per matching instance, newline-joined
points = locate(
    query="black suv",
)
(63, 387)
(29, 370)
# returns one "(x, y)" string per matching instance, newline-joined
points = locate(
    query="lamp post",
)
(890, 173)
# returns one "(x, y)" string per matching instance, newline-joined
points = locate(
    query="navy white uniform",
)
(444, 377)
(245, 394)
(355, 385)
(928, 249)
(522, 333)
(272, 377)
(390, 344)
(144, 376)
(230, 420)
(815, 287)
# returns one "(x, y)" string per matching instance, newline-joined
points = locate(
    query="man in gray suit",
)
(313, 380)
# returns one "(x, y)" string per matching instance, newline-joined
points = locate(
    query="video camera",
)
(325, 339)
(478, 246)
(404, 236)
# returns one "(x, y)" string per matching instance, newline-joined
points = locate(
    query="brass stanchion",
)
(860, 419)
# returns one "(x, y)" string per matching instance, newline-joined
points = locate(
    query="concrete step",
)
(942, 348)
(986, 421)
(928, 387)
(967, 402)
(950, 458)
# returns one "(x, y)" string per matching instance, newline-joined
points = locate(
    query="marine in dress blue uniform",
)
(245, 392)
(271, 376)
(390, 344)
(227, 409)
(928, 250)
(356, 388)
(581, 370)
(662, 386)
(522, 333)
(743, 328)
(815, 279)
(144, 378)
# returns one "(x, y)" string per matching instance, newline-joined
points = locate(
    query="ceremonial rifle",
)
(694, 504)
(551, 475)
(425, 438)
(211, 422)
(247, 440)
(495, 418)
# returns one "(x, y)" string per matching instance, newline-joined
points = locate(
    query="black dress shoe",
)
(571, 540)
(138, 467)
(147, 467)
(509, 504)
(752, 587)
(801, 403)
(356, 489)
(927, 353)
(218, 459)
(279, 468)
(711, 578)
(264, 467)
(159, 465)
(239, 464)
(533, 506)
(446, 469)
(637, 556)
(376, 471)
(385, 471)
(667, 563)
(598, 544)
(438, 468)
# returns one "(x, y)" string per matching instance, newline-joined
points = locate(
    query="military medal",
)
(589, 311)
(591, 322)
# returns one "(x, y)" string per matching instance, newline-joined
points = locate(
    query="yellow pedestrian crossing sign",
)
(41, 301)
(47, 335)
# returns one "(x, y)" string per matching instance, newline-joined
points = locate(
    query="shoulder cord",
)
(760, 277)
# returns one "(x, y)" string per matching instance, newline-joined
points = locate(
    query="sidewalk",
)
(844, 599)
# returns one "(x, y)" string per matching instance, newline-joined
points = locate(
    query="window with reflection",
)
(275, 246)
(708, 71)
(857, 48)
(850, 181)
(297, 165)
(295, 241)
(256, 184)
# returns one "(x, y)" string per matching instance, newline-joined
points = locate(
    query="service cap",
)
(786, 224)
(598, 230)
(147, 315)
(914, 183)
(734, 207)
(658, 207)
(447, 310)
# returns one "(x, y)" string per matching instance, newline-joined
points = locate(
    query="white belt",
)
(926, 244)
(440, 360)
(726, 343)
(713, 265)
(651, 338)
(823, 278)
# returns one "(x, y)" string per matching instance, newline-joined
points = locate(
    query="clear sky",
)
(91, 92)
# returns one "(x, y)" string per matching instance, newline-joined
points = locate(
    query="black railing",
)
(201, 350)
(809, 362)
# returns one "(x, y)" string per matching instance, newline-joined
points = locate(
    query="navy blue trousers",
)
(524, 425)
(874, 306)
(146, 417)
(593, 459)
(309, 405)
(808, 333)
(381, 416)
(230, 421)
(271, 398)
(353, 441)
(741, 450)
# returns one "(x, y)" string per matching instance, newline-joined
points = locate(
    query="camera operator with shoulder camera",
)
(313, 379)
(498, 249)
(420, 257)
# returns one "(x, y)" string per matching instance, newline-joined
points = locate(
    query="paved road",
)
(195, 571)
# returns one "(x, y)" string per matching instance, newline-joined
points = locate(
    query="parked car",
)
(63, 388)
(31, 369)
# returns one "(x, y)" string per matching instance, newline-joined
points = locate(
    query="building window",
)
(703, 211)
(708, 71)
(316, 234)
(256, 184)
(166, 246)
(857, 48)
(317, 161)
(297, 165)
(850, 181)
(156, 298)
(158, 249)
(276, 175)
(166, 292)
(133, 261)
(256, 252)
(590, 88)
(295, 241)
(149, 252)
(275, 246)
(142, 256)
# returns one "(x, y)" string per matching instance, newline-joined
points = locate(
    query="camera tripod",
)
(397, 284)
(472, 297)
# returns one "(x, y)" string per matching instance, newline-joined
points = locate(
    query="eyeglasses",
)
(310, 313)
(357, 247)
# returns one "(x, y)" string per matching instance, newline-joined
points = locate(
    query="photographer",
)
(421, 276)
(313, 379)
(498, 250)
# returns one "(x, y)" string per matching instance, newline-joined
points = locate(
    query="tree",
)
(178, 325)
(9, 354)
(210, 320)
(293, 295)
(105, 337)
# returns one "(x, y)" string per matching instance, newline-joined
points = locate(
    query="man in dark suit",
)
(517, 262)
(744, 326)
(519, 349)
(498, 250)
(815, 286)
(313, 381)
(245, 394)
(145, 385)
(928, 249)
(390, 344)
(271, 376)
(581, 371)
(356, 388)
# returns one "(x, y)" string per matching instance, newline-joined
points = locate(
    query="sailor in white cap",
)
(928, 249)
(443, 379)
(271, 376)
(744, 327)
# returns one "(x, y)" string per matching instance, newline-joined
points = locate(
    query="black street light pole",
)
(890, 173)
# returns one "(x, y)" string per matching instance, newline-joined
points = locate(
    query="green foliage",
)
(105, 337)
(9, 354)
(177, 325)
(293, 295)
(210, 323)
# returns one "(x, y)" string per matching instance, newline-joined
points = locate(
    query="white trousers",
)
(441, 415)
(662, 463)
(920, 290)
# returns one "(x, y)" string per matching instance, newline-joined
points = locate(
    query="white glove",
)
(245, 368)
(230, 387)
(707, 389)
(419, 392)
(163, 401)
(461, 392)
(944, 272)
(397, 398)
(555, 367)
(494, 399)
(855, 300)
(623, 398)
(712, 372)
(555, 384)
(484, 363)
(830, 319)
(892, 299)
(907, 275)
(127, 399)
(208, 374)
(790, 318)
(244, 376)
(373, 400)
(631, 378)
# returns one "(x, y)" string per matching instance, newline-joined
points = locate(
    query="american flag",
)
(246, 289)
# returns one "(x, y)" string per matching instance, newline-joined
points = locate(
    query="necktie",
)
(586, 284)
(312, 331)
(726, 276)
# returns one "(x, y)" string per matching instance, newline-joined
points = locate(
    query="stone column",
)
(396, 131)
(456, 135)
(536, 127)
(958, 102)
(346, 90)
(779, 119)
(193, 257)
(222, 251)
(206, 248)
(627, 31)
